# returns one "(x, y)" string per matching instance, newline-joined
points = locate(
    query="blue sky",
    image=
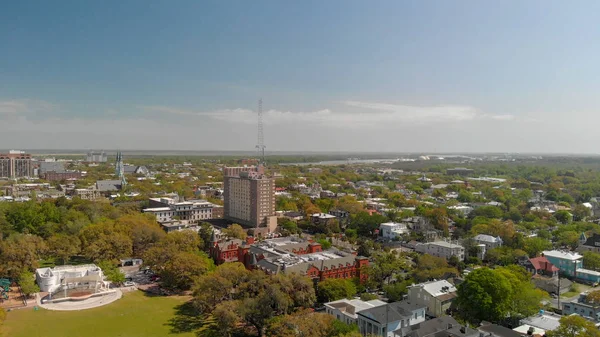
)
(443, 76)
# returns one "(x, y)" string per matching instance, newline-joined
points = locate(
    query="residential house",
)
(571, 264)
(385, 319)
(392, 230)
(436, 295)
(346, 310)
(539, 266)
(489, 241)
(438, 327)
(327, 194)
(567, 262)
(583, 307)
(591, 244)
(539, 323)
(342, 216)
(494, 330)
(442, 249)
(321, 218)
(296, 216)
(133, 169)
(418, 224)
(462, 209)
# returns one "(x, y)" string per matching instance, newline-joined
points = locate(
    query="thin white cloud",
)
(21, 107)
(370, 115)
(427, 114)
(503, 117)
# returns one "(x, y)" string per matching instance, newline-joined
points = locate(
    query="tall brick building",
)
(249, 197)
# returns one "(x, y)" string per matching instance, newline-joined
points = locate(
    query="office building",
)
(15, 164)
(249, 197)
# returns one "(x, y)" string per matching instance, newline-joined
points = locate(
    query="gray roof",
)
(391, 312)
(300, 265)
(487, 238)
(108, 185)
(498, 330)
(439, 327)
(52, 166)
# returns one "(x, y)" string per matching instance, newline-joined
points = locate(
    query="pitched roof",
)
(542, 263)
(592, 241)
(392, 312)
(498, 330)
(487, 238)
(108, 185)
(445, 326)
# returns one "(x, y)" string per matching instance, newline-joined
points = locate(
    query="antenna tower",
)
(260, 144)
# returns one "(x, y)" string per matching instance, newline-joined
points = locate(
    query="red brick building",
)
(58, 176)
(291, 255)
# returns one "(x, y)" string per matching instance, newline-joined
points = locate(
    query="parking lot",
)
(137, 275)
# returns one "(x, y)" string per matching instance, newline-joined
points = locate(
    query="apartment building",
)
(15, 164)
(249, 197)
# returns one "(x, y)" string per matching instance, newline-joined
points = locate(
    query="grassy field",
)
(134, 315)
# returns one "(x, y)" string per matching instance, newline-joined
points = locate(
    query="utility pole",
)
(558, 291)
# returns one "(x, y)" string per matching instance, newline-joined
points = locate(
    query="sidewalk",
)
(89, 303)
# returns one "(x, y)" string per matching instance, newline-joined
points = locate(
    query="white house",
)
(437, 296)
(346, 310)
(441, 249)
(463, 209)
(489, 241)
(385, 320)
(392, 230)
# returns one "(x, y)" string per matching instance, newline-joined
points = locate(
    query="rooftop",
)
(353, 306)
(437, 288)
(391, 312)
(565, 255)
(444, 244)
(543, 320)
(487, 238)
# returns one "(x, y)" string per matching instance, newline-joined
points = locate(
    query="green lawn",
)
(134, 315)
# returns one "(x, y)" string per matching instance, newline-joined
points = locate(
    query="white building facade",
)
(442, 249)
(392, 230)
(51, 279)
(193, 210)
